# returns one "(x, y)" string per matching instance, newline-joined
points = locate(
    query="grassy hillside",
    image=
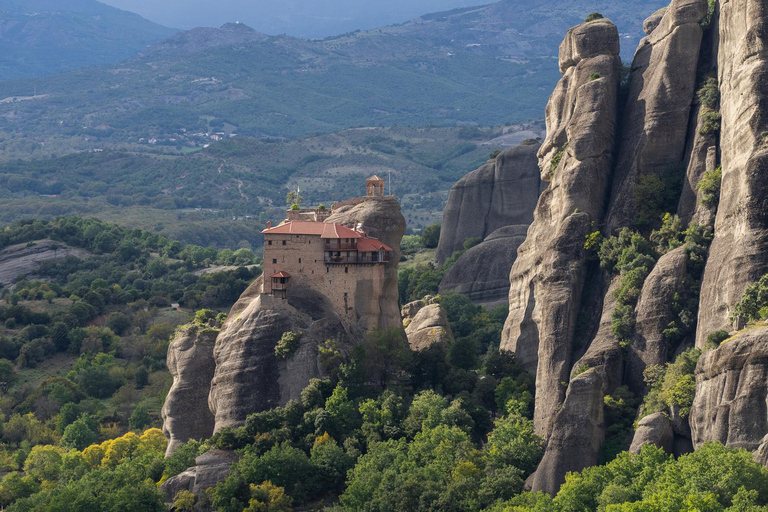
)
(489, 66)
(224, 194)
(43, 37)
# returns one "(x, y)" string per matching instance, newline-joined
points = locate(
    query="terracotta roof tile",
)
(372, 245)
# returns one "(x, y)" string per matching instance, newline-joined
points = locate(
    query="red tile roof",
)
(322, 229)
(372, 245)
(375, 177)
(327, 230)
(281, 274)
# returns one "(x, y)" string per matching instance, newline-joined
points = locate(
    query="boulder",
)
(738, 255)
(428, 327)
(655, 429)
(656, 118)
(210, 468)
(653, 21)
(482, 273)
(547, 278)
(731, 399)
(502, 192)
(190, 360)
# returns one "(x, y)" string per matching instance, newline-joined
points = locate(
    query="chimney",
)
(269, 224)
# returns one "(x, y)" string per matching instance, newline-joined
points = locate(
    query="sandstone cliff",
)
(547, 278)
(739, 252)
(482, 273)
(563, 307)
(501, 193)
(190, 360)
(732, 391)
(655, 120)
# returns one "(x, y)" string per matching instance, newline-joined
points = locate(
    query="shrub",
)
(594, 76)
(671, 385)
(632, 257)
(753, 302)
(709, 94)
(711, 123)
(288, 344)
(583, 368)
(717, 337)
(709, 186)
(667, 237)
(557, 159)
(594, 16)
(493, 155)
(295, 206)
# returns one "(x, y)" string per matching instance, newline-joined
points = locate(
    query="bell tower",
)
(374, 186)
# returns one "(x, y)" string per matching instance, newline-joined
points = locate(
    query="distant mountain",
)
(43, 37)
(298, 18)
(490, 65)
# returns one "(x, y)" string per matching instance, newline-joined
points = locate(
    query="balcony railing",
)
(340, 246)
(332, 259)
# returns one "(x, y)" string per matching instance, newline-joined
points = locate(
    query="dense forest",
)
(83, 341)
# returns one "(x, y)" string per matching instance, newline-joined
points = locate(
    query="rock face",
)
(501, 193)
(653, 315)
(211, 468)
(249, 377)
(21, 259)
(655, 123)
(376, 305)
(739, 253)
(564, 308)
(482, 273)
(655, 429)
(426, 324)
(547, 278)
(577, 434)
(732, 392)
(190, 360)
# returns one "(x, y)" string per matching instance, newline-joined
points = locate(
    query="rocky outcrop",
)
(653, 315)
(739, 252)
(426, 324)
(185, 411)
(656, 118)
(249, 377)
(732, 392)
(577, 434)
(547, 278)
(501, 193)
(482, 273)
(655, 429)
(23, 259)
(210, 468)
(376, 303)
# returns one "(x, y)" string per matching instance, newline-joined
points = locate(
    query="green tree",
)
(79, 434)
(140, 418)
(430, 236)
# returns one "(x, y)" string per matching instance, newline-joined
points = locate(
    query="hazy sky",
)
(304, 18)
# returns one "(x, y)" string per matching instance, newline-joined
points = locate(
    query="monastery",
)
(305, 250)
